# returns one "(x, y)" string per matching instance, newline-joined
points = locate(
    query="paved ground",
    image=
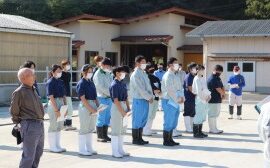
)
(238, 147)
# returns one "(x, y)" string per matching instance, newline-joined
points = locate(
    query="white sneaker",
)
(82, 146)
(89, 144)
(213, 126)
(115, 147)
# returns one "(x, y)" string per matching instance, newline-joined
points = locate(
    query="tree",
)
(259, 9)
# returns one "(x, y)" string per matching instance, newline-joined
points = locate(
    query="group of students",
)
(102, 86)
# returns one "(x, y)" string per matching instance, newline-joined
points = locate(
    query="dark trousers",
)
(32, 132)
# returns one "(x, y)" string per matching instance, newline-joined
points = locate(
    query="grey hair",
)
(24, 73)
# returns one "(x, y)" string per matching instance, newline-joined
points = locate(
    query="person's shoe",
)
(239, 117)
(201, 132)
(82, 146)
(69, 128)
(140, 137)
(58, 139)
(176, 133)
(115, 147)
(166, 139)
(231, 117)
(105, 134)
(213, 126)
(89, 144)
(52, 143)
(187, 124)
(196, 131)
(135, 137)
(120, 146)
(100, 134)
(171, 139)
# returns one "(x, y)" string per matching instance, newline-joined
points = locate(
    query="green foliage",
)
(258, 9)
(52, 10)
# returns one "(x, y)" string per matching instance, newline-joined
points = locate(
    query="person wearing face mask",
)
(120, 110)
(236, 83)
(172, 96)
(203, 95)
(142, 95)
(57, 97)
(189, 110)
(153, 107)
(215, 86)
(102, 80)
(160, 72)
(32, 65)
(66, 78)
(87, 94)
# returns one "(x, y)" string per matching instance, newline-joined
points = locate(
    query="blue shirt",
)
(118, 89)
(190, 97)
(159, 74)
(213, 83)
(55, 87)
(86, 88)
(237, 79)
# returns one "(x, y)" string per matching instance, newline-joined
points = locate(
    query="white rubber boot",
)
(147, 128)
(120, 146)
(213, 126)
(89, 144)
(115, 147)
(58, 146)
(176, 133)
(187, 124)
(82, 146)
(191, 123)
(52, 143)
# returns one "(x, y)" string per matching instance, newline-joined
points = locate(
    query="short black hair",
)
(118, 69)
(161, 64)
(127, 69)
(218, 68)
(106, 61)
(192, 65)
(28, 64)
(200, 67)
(139, 58)
(171, 60)
(148, 66)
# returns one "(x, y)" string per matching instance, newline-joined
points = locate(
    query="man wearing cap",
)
(102, 80)
(27, 110)
(236, 82)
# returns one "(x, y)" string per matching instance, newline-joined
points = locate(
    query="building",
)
(157, 36)
(23, 39)
(244, 43)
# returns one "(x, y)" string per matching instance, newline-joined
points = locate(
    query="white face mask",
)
(200, 73)
(143, 66)
(123, 75)
(175, 67)
(68, 67)
(180, 69)
(89, 75)
(58, 75)
(107, 70)
(236, 73)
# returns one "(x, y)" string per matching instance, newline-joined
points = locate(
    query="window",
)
(113, 57)
(89, 57)
(248, 67)
(231, 65)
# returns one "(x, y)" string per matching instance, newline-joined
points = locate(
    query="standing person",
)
(120, 109)
(172, 96)
(66, 78)
(97, 60)
(57, 97)
(27, 111)
(103, 79)
(236, 83)
(217, 90)
(189, 110)
(86, 91)
(160, 72)
(126, 80)
(32, 65)
(153, 107)
(142, 95)
(264, 131)
(203, 95)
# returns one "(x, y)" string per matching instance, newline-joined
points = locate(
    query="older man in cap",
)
(27, 111)
(236, 83)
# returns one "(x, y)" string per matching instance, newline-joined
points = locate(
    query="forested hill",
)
(48, 11)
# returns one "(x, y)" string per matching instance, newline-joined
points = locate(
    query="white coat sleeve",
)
(169, 85)
(140, 87)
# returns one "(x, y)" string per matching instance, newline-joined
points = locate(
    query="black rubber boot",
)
(201, 132)
(105, 133)
(239, 110)
(171, 139)
(196, 131)
(135, 137)
(100, 137)
(231, 111)
(166, 139)
(140, 136)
